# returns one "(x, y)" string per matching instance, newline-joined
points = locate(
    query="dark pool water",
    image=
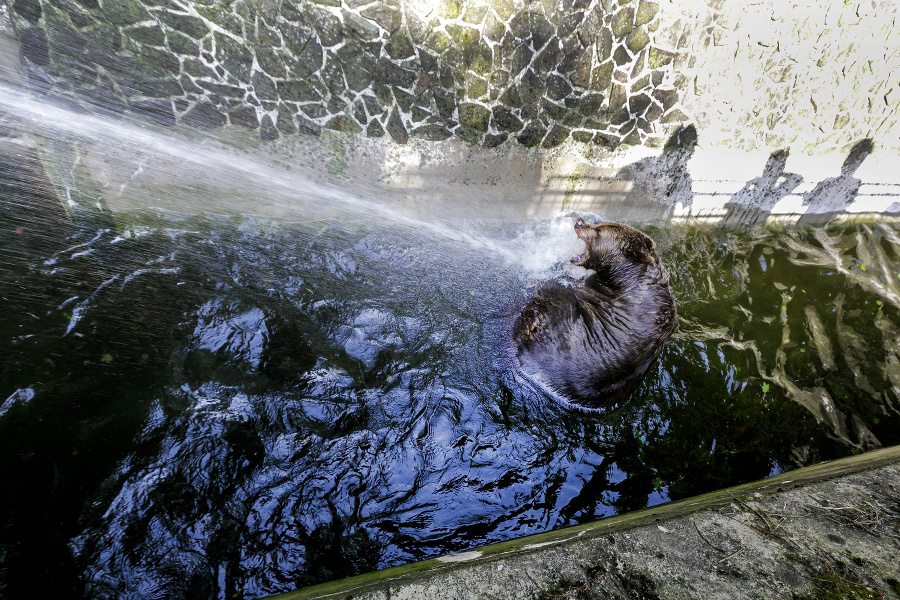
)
(229, 407)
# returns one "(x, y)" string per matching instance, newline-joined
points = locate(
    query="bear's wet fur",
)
(594, 344)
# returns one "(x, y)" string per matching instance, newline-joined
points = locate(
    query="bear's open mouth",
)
(579, 258)
(580, 228)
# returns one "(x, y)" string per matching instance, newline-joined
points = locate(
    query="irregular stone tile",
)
(619, 117)
(400, 46)
(549, 57)
(532, 135)
(358, 72)
(271, 63)
(375, 129)
(521, 58)
(505, 120)
(30, 10)
(542, 31)
(104, 100)
(475, 14)
(466, 133)
(557, 87)
(493, 29)
(666, 98)
(582, 136)
(373, 107)
(343, 123)
(219, 89)
(552, 112)
(337, 105)
(158, 111)
(570, 23)
(267, 130)
(503, 8)
(621, 56)
(478, 57)
(438, 42)
(493, 140)
(637, 40)
(640, 84)
(419, 113)
(159, 63)
(191, 26)
(388, 18)
(34, 47)
(556, 136)
(475, 116)
(285, 122)
(245, 117)
(431, 132)
(633, 138)
(531, 88)
(601, 78)
(582, 75)
(511, 97)
(404, 99)
(529, 112)
(181, 44)
(364, 29)
(638, 104)
(450, 9)
(646, 12)
(124, 12)
(389, 73)
(142, 34)
(520, 25)
(623, 22)
(654, 112)
(264, 86)
(476, 87)
(189, 87)
(590, 104)
(153, 88)
(573, 51)
(674, 116)
(638, 68)
(416, 25)
(298, 91)
(396, 129)
(203, 115)
(197, 68)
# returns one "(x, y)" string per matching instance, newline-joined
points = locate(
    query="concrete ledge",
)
(817, 529)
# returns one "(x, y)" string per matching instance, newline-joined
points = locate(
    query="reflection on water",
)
(229, 408)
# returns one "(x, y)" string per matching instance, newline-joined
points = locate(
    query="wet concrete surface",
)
(827, 531)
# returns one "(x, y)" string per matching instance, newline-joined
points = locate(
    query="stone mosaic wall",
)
(485, 72)
(536, 73)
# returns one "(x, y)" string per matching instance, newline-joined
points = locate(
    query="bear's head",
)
(608, 244)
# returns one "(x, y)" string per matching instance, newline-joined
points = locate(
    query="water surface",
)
(233, 407)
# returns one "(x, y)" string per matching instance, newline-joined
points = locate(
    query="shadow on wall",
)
(647, 189)
(754, 202)
(833, 196)
(661, 188)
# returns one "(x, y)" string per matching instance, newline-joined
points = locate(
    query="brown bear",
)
(593, 345)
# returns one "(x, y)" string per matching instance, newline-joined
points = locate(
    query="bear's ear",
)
(638, 246)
